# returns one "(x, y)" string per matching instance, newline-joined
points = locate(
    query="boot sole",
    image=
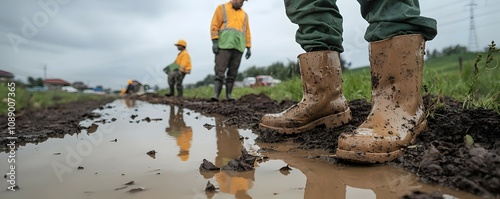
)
(374, 158)
(330, 121)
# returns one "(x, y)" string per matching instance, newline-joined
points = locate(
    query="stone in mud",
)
(130, 183)
(208, 166)
(135, 190)
(120, 188)
(210, 190)
(208, 126)
(152, 154)
(92, 128)
(244, 163)
(285, 170)
(210, 187)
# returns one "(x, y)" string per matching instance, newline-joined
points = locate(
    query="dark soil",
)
(441, 155)
(34, 126)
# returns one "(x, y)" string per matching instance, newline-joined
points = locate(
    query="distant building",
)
(79, 85)
(55, 83)
(5, 76)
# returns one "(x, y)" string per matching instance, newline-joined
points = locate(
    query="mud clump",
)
(450, 163)
(244, 163)
(208, 166)
(422, 195)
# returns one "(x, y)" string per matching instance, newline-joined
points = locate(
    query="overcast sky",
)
(108, 42)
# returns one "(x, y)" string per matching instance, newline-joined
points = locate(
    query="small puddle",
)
(142, 150)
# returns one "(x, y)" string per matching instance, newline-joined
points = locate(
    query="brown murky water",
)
(103, 163)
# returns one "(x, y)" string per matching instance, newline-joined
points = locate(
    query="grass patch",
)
(34, 100)
(442, 77)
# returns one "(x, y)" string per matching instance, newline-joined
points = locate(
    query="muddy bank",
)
(34, 126)
(441, 154)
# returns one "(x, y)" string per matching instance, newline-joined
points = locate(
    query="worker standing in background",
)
(230, 34)
(178, 70)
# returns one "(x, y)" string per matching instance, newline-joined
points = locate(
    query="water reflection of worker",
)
(329, 181)
(182, 133)
(229, 147)
(129, 103)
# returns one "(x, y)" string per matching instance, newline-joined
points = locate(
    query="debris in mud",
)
(210, 187)
(147, 119)
(422, 195)
(208, 126)
(113, 119)
(210, 190)
(123, 174)
(152, 154)
(130, 183)
(135, 190)
(115, 140)
(120, 188)
(57, 153)
(92, 128)
(91, 115)
(244, 163)
(208, 166)
(285, 170)
(80, 168)
(208, 169)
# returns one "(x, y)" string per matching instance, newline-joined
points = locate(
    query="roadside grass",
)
(442, 77)
(32, 100)
(477, 84)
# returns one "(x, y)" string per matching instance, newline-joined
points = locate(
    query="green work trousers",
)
(320, 22)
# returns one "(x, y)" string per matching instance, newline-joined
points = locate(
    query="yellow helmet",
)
(129, 81)
(181, 42)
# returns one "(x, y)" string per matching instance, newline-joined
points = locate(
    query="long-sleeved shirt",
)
(231, 28)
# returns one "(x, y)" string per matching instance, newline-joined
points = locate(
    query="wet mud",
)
(459, 149)
(34, 126)
(441, 154)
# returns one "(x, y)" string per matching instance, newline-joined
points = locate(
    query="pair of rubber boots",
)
(397, 114)
(218, 89)
(179, 91)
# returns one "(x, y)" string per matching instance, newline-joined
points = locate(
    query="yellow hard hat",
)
(129, 81)
(181, 42)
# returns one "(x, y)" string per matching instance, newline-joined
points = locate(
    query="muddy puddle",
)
(139, 150)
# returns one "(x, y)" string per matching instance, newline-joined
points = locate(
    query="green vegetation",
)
(476, 83)
(32, 100)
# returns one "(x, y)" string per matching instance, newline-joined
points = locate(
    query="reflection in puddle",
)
(183, 134)
(116, 153)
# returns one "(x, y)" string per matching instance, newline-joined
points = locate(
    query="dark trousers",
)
(320, 22)
(227, 60)
(175, 79)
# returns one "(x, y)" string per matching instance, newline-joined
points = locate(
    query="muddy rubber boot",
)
(229, 90)
(217, 89)
(172, 90)
(397, 115)
(322, 101)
